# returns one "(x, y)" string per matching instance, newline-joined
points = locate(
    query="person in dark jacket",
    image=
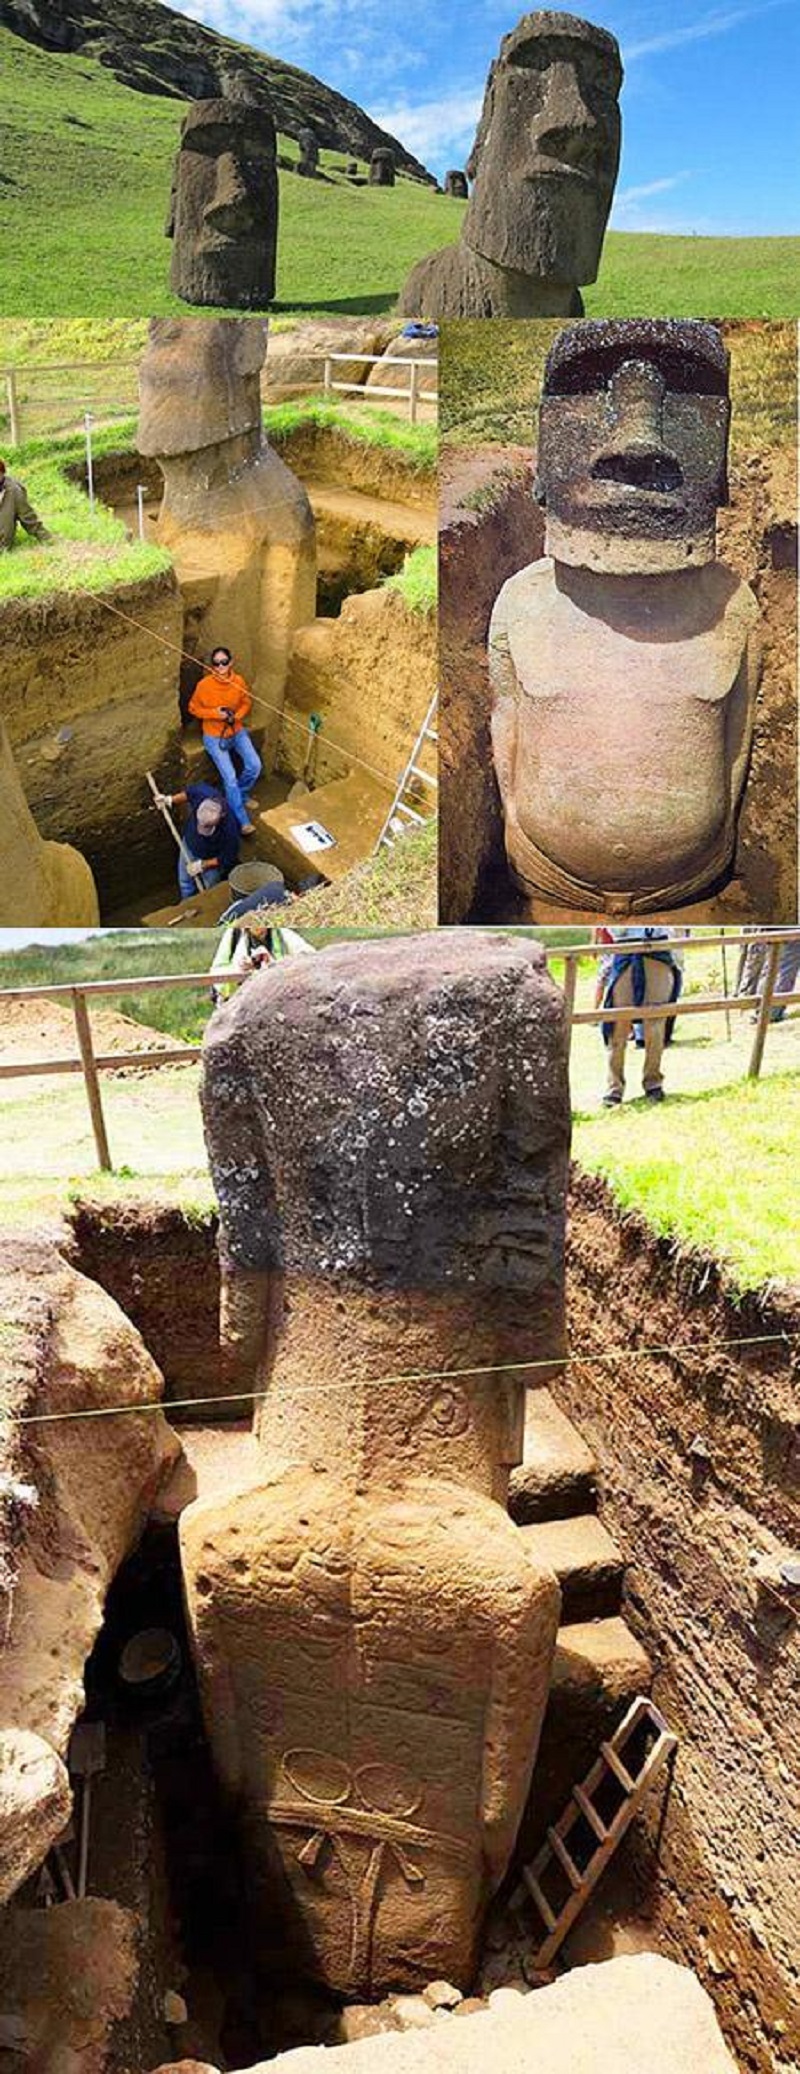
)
(210, 835)
(17, 510)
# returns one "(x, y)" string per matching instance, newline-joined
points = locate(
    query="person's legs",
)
(659, 983)
(249, 764)
(219, 751)
(620, 1032)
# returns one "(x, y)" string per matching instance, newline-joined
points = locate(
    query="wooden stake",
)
(762, 1026)
(91, 1078)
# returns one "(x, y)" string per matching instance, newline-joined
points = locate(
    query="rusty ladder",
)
(579, 1845)
(411, 777)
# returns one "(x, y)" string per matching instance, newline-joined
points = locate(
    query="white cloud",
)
(628, 195)
(716, 24)
(434, 130)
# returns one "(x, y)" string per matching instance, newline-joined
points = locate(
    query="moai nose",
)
(229, 187)
(563, 119)
(633, 451)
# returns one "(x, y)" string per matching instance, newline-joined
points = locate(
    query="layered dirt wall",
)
(370, 674)
(700, 1460)
(91, 702)
(161, 1267)
(323, 455)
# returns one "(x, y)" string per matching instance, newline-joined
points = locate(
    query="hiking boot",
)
(247, 828)
(654, 1094)
(613, 1099)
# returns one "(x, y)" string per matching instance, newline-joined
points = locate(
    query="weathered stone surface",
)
(382, 168)
(66, 1976)
(236, 520)
(455, 182)
(223, 214)
(295, 360)
(68, 1512)
(44, 884)
(308, 161)
(373, 1650)
(35, 1804)
(543, 165)
(626, 2017)
(625, 665)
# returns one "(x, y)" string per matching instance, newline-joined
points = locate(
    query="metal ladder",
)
(402, 816)
(580, 1844)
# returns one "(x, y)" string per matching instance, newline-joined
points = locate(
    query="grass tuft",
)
(416, 583)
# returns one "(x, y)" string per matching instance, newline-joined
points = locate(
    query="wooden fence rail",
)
(91, 1065)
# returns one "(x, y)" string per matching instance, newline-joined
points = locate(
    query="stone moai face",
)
(373, 1643)
(633, 439)
(309, 152)
(382, 169)
(546, 156)
(199, 382)
(224, 221)
(456, 183)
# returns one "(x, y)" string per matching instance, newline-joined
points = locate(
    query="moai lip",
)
(625, 665)
(543, 166)
(373, 1648)
(223, 216)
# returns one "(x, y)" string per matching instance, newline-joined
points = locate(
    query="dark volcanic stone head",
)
(309, 151)
(381, 168)
(225, 205)
(455, 183)
(633, 438)
(199, 382)
(394, 1111)
(546, 154)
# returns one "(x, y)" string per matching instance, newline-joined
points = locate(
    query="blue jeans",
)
(188, 885)
(237, 784)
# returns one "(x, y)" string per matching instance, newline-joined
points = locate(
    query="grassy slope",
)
(84, 211)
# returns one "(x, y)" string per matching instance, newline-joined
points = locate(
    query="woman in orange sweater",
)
(221, 703)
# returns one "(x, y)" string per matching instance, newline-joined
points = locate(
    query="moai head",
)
(633, 438)
(456, 183)
(224, 217)
(382, 168)
(309, 151)
(546, 155)
(200, 383)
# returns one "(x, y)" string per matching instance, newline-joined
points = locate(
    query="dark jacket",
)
(224, 839)
(15, 509)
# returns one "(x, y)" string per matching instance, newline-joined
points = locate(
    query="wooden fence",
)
(92, 1064)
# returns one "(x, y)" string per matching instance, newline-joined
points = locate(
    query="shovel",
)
(87, 1757)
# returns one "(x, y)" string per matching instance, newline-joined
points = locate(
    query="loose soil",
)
(39, 1030)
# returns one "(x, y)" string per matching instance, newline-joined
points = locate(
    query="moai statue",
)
(543, 166)
(308, 162)
(48, 885)
(625, 665)
(237, 522)
(382, 169)
(223, 214)
(456, 183)
(388, 1130)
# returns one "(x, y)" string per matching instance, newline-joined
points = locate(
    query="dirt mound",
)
(38, 1030)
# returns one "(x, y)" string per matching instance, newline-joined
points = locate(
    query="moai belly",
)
(369, 1668)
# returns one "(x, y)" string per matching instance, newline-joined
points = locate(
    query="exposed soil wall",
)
(161, 1267)
(371, 674)
(327, 456)
(693, 1528)
(90, 703)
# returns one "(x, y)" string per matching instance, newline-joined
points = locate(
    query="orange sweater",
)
(211, 693)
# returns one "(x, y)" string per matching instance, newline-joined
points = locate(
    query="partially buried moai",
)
(455, 183)
(543, 166)
(308, 162)
(625, 665)
(388, 1130)
(382, 169)
(223, 214)
(235, 519)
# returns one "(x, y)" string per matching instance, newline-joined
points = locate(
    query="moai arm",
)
(741, 711)
(505, 697)
(525, 1639)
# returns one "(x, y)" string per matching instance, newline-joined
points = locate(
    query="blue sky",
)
(711, 134)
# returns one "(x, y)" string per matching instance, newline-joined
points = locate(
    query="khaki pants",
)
(658, 987)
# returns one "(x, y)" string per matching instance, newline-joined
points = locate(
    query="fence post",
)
(91, 1077)
(140, 493)
(87, 421)
(570, 982)
(762, 1026)
(412, 393)
(14, 434)
(328, 375)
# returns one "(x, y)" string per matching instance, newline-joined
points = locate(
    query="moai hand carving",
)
(373, 1645)
(625, 665)
(236, 520)
(544, 166)
(223, 216)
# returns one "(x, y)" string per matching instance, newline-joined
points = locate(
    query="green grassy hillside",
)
(85, 179)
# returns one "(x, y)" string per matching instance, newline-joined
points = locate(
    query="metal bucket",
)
(250, 877)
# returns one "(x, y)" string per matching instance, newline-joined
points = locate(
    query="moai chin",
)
(223, 214)
(624, 666)
(388, 1132)
(382, 168)
(236, 520)
(543, 166)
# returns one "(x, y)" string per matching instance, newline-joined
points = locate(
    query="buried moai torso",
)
(223, 215)
(543, 166)
(236, 520)
(624, 666)
(373, 1644)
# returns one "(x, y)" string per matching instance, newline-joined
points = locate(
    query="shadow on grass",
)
(694, 1098)
(349, 306)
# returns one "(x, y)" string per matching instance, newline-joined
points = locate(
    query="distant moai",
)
(382, 169)
(543, 167)
(456, 183)
(308, 162)
(625, 665)
(373, 1640)
(223, 214)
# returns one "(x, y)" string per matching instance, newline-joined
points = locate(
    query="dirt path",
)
(39, 1030)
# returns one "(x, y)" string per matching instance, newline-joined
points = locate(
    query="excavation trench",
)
(699, 1462)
